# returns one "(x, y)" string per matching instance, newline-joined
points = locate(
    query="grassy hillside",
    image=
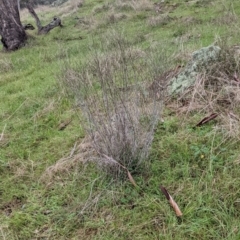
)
(47, 191)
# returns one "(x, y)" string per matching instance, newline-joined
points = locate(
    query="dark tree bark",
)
(11, 30)
(56, 22)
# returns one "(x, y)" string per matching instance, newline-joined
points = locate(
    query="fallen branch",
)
(171, 201)
(207, 119)
(56, 22)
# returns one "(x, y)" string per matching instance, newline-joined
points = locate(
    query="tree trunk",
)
(11, 30)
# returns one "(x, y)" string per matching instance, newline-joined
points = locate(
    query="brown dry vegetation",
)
(51, 186)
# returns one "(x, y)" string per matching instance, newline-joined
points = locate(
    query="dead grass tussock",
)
(5, 66)
(160, 20)
(237, 162)
(6, 233)
(114, 58)
(217, 90)
(142, 5)
(69, 7)
(120, 114)
(113, 17)
(136, 5)
(230, 123)
(80, 154)
(86, 233)
(187, 37)
(102, 8)
(229, 18)
(41, 10)
(183, 55)
(20, 169)
(89, 22)
(190, 21)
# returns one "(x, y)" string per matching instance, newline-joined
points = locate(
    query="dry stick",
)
(2, 134)
(119, 164)
(171, 201)
(207, 119)
(232, 115)
(73, 150)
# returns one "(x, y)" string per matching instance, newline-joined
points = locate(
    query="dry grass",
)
(229, 18)
(200, 166)
(120, 114)
(113, 17)
(230, 124)
(6, 65)
(21, 169)
(102, 8)
(136, 5)
(227, 15)
(164, 7)
(81, 153)
(69, 7)
(160, 20)
(217, 90)
(41, 11)
(89, 22)
(142, 5)
(44, 11)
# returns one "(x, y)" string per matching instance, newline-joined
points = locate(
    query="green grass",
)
(199, 167)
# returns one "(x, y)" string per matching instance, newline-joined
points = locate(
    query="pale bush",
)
(120, 114)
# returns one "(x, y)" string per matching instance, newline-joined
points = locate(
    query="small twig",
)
(73, 150)
(131, 179)
(207, 119)
(171, 201)
(231, 115)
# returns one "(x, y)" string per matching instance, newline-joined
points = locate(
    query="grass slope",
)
(199, 167)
